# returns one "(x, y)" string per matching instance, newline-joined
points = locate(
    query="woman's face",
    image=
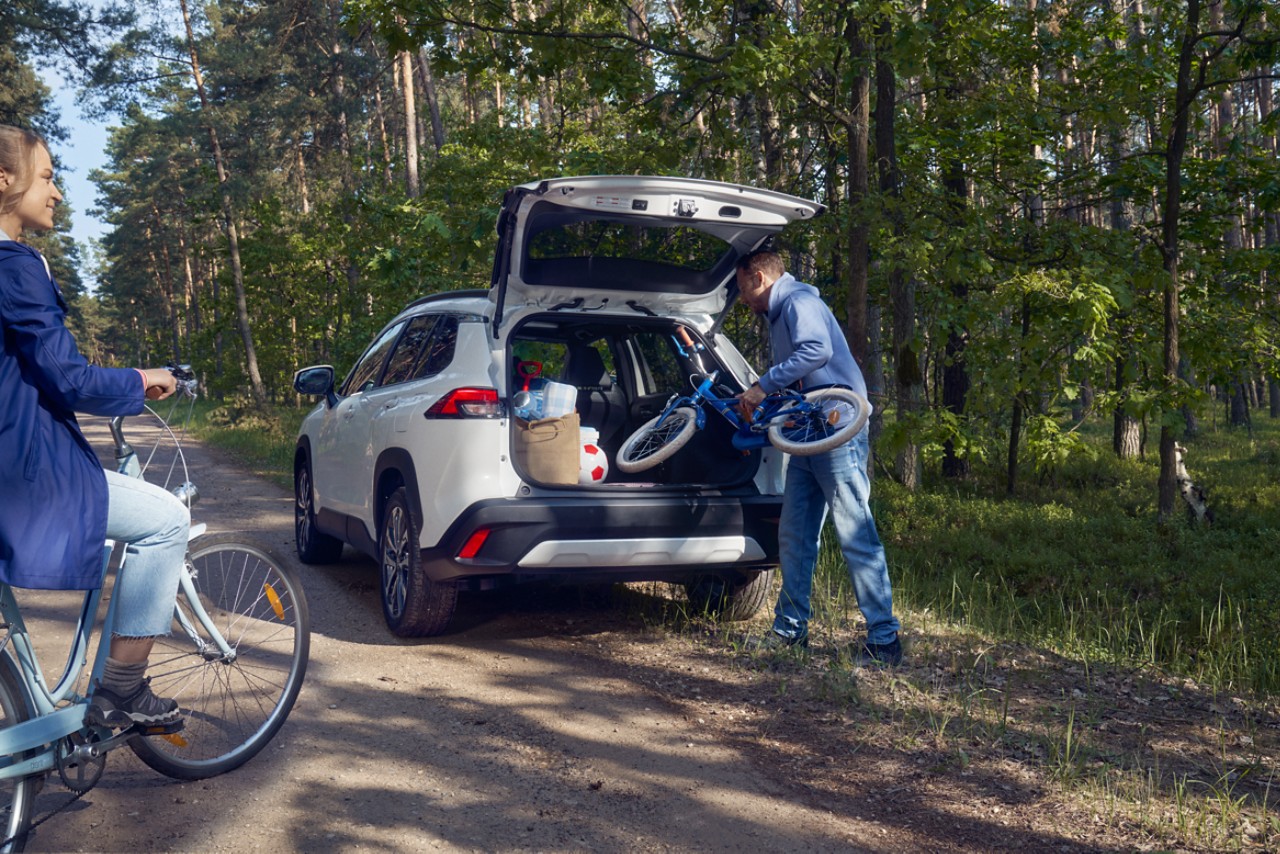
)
(35, 209)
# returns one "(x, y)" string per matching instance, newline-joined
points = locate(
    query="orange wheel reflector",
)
(274, 599)
(832, 417)
(175, 739)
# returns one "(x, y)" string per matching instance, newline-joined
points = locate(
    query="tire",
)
(651, 444)
(413, 605)
(16, 796)
(313, 546)
(233, 708)
(813, 433)
(730, 599)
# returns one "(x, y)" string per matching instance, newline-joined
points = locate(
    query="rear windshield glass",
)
(678, 247)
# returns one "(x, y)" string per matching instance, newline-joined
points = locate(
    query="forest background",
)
(1051, 232)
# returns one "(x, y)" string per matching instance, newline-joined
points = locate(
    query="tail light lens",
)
(467, 403)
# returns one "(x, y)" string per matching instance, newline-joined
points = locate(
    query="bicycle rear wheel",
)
(652, 444)
(233, 704)
(16, 796)
(827, 418)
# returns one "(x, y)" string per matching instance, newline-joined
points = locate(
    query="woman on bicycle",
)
(57, 504)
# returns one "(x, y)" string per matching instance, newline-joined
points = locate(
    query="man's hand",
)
(749, 400)
(160, 383)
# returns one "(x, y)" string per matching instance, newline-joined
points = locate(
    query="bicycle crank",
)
(80, 762)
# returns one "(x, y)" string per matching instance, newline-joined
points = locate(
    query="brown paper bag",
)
(549, 449)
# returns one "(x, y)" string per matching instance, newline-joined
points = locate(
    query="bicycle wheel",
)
(16, 796)
(827, 418)
(233, 704)
(652, 444)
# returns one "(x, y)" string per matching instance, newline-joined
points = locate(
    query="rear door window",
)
(409, 349)
(660, 371)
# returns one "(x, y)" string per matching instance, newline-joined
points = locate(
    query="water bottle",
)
(523, 405)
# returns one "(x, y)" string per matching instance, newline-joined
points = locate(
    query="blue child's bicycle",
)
(802, 423)
(234, 661)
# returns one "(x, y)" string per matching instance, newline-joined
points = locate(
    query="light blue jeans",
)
(837, 480)
(153, 524)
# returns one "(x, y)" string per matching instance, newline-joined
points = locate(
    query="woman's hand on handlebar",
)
(160, 383)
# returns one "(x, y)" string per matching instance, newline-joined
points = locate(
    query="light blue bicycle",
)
(234, 661)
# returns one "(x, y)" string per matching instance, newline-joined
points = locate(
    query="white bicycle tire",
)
(678, 440)
(862, 409)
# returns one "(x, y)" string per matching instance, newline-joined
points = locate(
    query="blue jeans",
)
(153, 524)
(837, 480)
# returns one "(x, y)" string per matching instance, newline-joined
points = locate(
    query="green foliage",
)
(1078, 564)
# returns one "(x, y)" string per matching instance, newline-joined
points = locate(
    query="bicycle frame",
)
(748, 435)
(50, 723)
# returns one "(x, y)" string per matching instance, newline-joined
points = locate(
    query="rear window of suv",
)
(678, 247)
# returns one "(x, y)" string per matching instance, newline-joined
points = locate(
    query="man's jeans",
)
(154, 524)
(838, 479)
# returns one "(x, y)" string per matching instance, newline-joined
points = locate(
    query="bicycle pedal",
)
(160, 729)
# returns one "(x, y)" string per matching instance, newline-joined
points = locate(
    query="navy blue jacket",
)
(53, 494)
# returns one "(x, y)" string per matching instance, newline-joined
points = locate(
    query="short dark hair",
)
(762, 261)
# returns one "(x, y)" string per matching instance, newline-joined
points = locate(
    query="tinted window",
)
(364, 375)
(679, 247)
(438, 352)
(662, 373)
(408, 349)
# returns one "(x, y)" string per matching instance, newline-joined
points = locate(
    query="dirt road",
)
(516, 731)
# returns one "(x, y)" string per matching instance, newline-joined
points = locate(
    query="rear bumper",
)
(669, 537)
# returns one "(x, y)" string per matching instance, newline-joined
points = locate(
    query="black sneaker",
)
(772, 641)
(107, 708)
(880, 654)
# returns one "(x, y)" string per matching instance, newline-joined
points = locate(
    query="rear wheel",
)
(313, 546)
(233, 703)
(653, 443)
(738, 598)
(414, 606)
(16, 795)
(826, 419)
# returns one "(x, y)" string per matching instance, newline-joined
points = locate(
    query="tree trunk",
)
(229, 221)
(1184, 96)
(433, 101)
(858, 234)
(902, 288)
(412, 187)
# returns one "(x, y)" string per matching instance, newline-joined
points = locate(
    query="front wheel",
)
(313, 545)
(234, 703)
(16, 794)
(653, 443)
(825, 419)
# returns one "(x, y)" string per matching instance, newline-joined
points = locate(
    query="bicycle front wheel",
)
(16, 795)
(234, 703)
(825, 419)
(653, 443)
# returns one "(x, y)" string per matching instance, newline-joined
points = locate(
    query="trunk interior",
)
(625, 370)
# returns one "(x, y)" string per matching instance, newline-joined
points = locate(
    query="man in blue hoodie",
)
(809, 351)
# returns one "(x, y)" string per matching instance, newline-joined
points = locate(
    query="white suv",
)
(417, 459)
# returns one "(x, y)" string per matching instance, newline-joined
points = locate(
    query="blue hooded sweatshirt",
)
(809, 347)
(53, 494)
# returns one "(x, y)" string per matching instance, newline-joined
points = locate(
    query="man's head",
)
(756, 274)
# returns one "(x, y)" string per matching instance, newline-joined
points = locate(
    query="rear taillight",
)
(467, 403)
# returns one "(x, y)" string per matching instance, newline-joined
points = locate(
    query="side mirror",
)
(316, 381)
